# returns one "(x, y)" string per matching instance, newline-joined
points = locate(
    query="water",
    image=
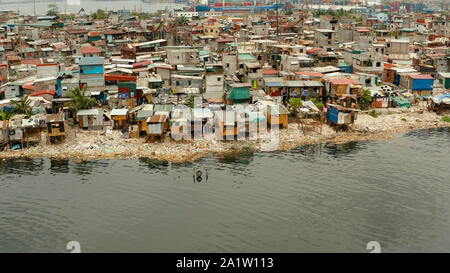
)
(317, 198)
(26, 6)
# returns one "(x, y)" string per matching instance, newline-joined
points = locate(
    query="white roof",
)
(119, 112)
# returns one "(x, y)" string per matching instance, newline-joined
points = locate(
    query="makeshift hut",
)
(55, 127)
(91, 119)
(3, 134)
(341, 116)
(120, 118)
(228, 124)
(157, 125)
(277, 114)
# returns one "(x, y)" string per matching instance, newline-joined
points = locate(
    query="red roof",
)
(120, 78)
(31, 61)
(43, 92)
(343, 81)
(94, 33)
(112, 32)
(309, 73)
(141, 64)
(270, 72)
(90, 50)
(77, 31)
(50, 64)
(389, 65)
(29, 87)
(225, 40)
(422, 77)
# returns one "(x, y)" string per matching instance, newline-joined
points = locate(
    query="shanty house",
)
(277, 114)
(237, 93)
(120, 118)
(91, 119)
(55, 127)
(339, 115)
(157, 124)
(228, 124)
(91, 71)
(444, 79)
(421, 84)
(3, 134)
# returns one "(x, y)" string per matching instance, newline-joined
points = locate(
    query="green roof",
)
(401, 101)
(246, 56)
(408, 29)
(239, 94)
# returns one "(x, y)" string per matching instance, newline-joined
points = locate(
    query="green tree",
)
(22, 106)
(100, 14)
(182, 20)
(295, 102)
(52, 9)
(365, 100)
(79, 99)
(5, 115)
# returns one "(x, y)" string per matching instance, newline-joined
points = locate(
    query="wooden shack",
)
(157, 126)
(228, 124)
(341, 116)
(277, 114)
(32, 130)
(91, 119)
(180, 123)
(256, 123)
(15, 132)
(120, 118)
(141, 117)
(55, 128)
(3, 134)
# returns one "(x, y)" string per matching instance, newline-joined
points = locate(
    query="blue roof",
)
(274, 84)
(91, 61)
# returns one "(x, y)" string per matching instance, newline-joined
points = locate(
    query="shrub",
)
(365, 100)
(446, 119)
(295, 102)
(373, 113)
(404, 119)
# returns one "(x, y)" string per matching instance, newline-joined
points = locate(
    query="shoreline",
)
(92, 145)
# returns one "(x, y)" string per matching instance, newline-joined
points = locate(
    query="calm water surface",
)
(317, 198)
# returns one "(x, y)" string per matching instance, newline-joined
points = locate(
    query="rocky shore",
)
(91, 145)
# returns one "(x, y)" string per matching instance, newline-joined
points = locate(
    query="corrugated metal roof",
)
(91, 61)
(304, 84)
(119, 112)
(89, 112)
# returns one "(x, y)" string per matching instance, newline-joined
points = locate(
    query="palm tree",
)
(182, 20)
(22, 106)
(80, 100)
(5, 115)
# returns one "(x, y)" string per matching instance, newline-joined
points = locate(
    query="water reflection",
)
(154, 165)
(337, 150)
(59, 166)
(22, 166)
